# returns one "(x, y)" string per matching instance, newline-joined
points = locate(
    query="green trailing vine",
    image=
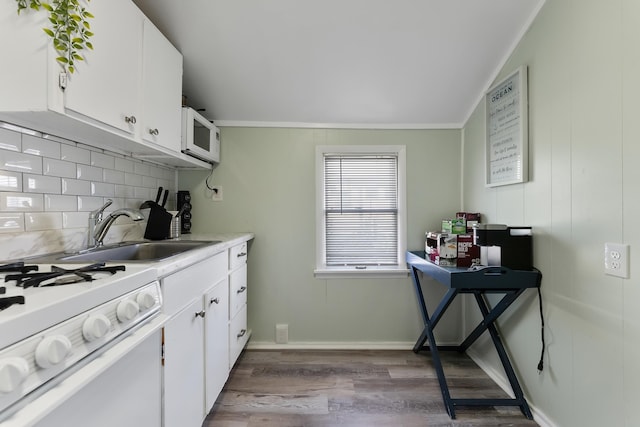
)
(70, 29)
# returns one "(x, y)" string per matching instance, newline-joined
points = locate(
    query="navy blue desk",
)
(499, 280)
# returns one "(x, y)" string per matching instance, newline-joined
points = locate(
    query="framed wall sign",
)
(507, 146)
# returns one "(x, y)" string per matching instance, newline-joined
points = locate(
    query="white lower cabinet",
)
(216, 350)
(184, 368)
(207, 330)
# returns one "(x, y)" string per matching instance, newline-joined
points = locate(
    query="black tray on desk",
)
(488, 278)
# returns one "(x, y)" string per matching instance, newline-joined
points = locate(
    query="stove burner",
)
(63, 276)
(18, 266)
(6, 302)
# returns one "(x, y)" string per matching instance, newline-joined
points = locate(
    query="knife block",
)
(158, 223)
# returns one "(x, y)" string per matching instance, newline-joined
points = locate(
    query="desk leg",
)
(504, 358)
(427, 334)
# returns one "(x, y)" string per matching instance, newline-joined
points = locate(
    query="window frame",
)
(338, 272)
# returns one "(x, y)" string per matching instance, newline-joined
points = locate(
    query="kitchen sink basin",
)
(130, 251)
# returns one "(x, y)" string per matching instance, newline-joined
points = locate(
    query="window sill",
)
(356, 273)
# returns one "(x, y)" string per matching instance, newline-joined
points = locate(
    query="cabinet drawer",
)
(237, 256)
(179, 288)
(237, 290)
(238, 335)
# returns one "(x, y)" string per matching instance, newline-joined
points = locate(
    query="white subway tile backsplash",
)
(10, 181)
(75, 219)
(88, 203)
(48, 183)
(133, 179)
(40, 146)
(11, 222)
(89, 173)
(10, 140)
(142, 168)
(76, 187)
(21, 202)
(149, 182)
(125, 191)
(59, 168)
(60, 203)
(102, 189)
(38, 221)
(102, 160)
(19, 162)
(113, 176)
(144, 193)
(41, 184)
(75, 154)
(124, 165)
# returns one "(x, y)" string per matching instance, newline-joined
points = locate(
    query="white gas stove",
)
(55, 322)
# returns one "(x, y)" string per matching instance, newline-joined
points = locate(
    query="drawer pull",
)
(241, 254)
(154, 132)
(242, 289)
(214, 300)
(201, 314)
(242, 333)
(130, 119)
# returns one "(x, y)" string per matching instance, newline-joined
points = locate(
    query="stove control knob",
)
(146, 300)
(95, 327)
(127, 310)
(52, 351)
(13, 372)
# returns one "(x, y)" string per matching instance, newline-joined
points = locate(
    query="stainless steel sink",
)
(129, 251)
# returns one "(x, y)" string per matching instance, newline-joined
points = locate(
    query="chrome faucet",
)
(102, 226)
(94, 218)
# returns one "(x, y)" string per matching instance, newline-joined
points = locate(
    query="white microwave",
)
(200, 137)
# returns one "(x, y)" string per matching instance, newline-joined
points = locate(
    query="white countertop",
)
(178, 262)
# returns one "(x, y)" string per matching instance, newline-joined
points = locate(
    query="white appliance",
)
(200, 137)
(78, 353)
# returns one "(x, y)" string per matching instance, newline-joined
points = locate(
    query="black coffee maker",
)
(184, 205)
(510, 247)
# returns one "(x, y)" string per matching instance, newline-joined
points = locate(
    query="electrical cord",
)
(541, 362)
(206, 182)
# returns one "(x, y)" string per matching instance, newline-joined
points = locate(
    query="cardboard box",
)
(468, 253)
(447, 226)
(472, 218)
(459, 226)
(439, 246)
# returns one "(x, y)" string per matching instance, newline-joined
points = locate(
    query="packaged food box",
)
(441, 246)
(445, 262)
(468, 253)
(472, 218)
(459, 226)
(447, 226)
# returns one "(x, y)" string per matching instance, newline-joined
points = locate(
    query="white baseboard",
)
(501, 380)
(330, 345)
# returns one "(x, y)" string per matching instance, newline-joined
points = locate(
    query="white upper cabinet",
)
(125, 96)
(161, 90)
(105, 87)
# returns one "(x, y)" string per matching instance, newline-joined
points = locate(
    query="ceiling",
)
(342, 63)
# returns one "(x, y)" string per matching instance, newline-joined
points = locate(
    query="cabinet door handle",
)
(242, 333)
(241, 254)
(154, 132)
(200, 313)
(242, 289)
(130, 119)
(214, 300)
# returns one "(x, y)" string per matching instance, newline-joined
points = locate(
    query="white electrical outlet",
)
(616, 260)
(216, 193)
(282, 333)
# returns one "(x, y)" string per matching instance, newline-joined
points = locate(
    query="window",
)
(360, 211)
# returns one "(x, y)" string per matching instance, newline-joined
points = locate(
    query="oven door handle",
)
(98, 363)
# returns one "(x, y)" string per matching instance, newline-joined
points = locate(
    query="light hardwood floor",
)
(355, 389)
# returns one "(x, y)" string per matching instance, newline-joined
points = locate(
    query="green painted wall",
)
(268, 181)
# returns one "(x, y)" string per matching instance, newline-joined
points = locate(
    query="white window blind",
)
(361, 209)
